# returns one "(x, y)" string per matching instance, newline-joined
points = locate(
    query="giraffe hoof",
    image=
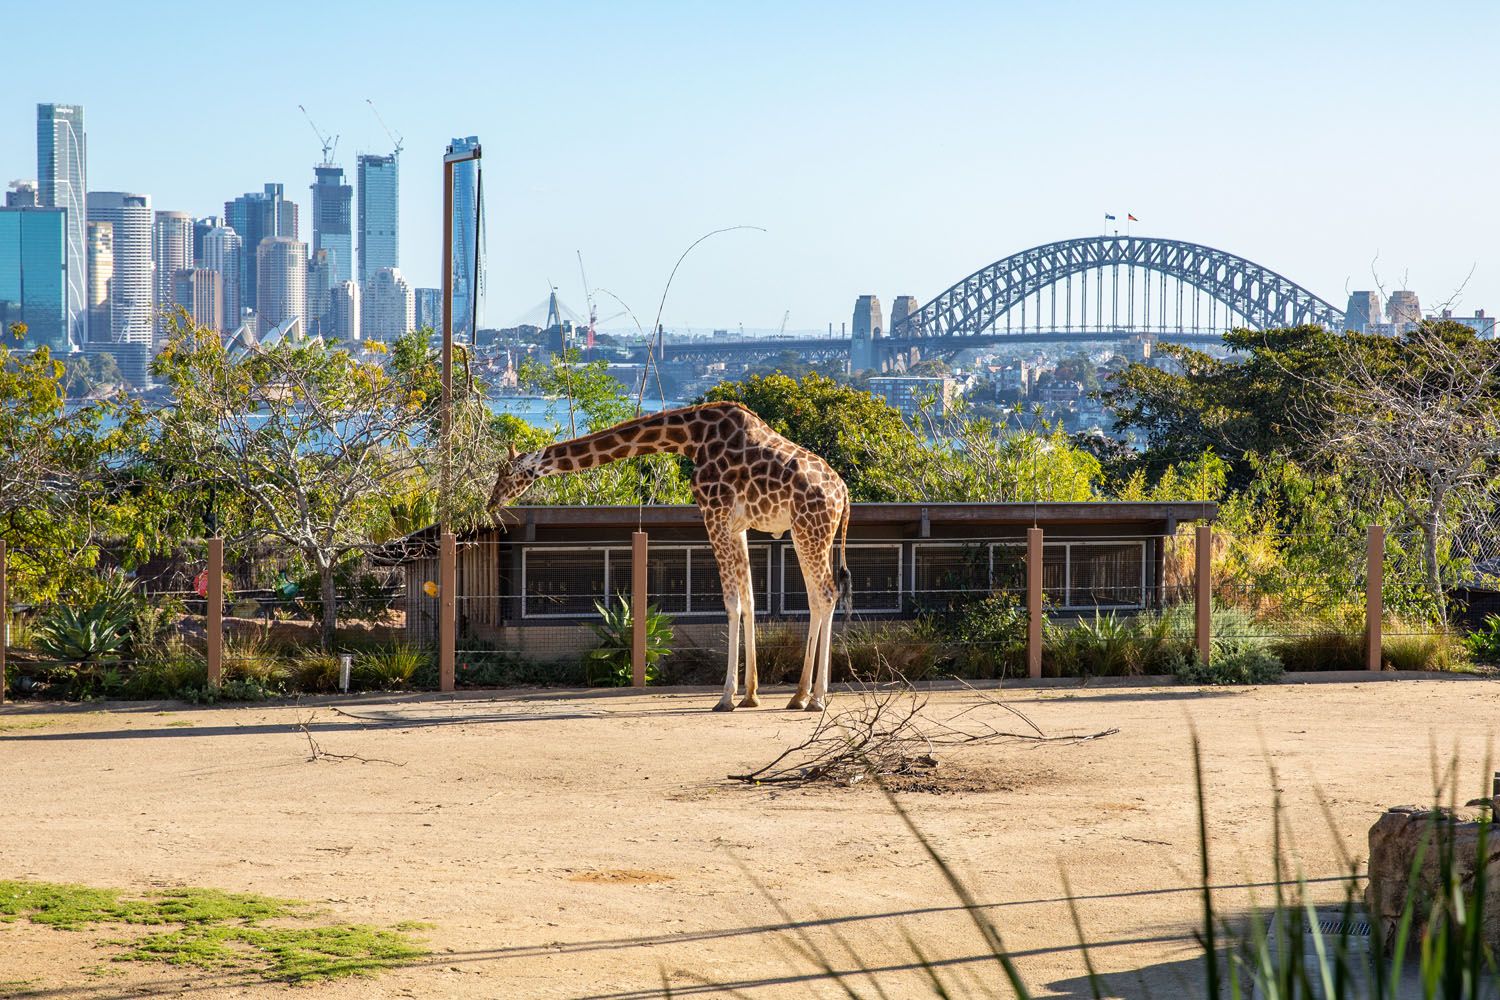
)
(815, 705)
(798, 703)
(750, 701)
(726, 704)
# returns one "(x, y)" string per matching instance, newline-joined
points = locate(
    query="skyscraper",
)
(33, 275)
(256, 216)
(468, 243)
(223, 251)
(379, 213)
(1363, 312)
(429, 308)
(343, 312)
(131, 292)
(62, 182)
(172, 251)
(867, 328)
(201, 292)
(101, 267)
(281, 277)
(201, 228)
(332, 215)
(387, 307)
(320, 285)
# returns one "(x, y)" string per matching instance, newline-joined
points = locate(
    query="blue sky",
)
(886, 148)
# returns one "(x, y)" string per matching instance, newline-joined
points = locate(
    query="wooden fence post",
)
(638, 605)
(1034, 602)
(447, 609)
(1374, 594)
(4, 621)
(1203, 590)
(213, 599)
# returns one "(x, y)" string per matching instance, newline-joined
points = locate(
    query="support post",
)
(1034, 602)
(1374, 594)
(4, 621)
(1203, 590)
(638, 604)
(214, 599)
(447, 609)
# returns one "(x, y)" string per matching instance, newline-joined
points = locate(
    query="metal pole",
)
(448, 551)
(214, 597)
(4, 621)
(1203, 589)
(1374, 594)
(638, 605)
(1034, 602)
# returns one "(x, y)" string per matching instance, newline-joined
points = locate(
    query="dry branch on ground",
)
(888, 732)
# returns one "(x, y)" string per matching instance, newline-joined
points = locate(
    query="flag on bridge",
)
(1131, 217)
(1108, 217)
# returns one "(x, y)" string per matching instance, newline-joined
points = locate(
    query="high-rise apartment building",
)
(429, 309)
(468, 243)
(224, 251)
(868, 327)
(101, 268)
(281, 278)
(200, 291)
(33, 275)
(379, 213)
(1362, 315)
(172, 251)
(132, 294)
(256, 216)
(62, 182)
(388, 307)
(23, 194)
(1404, 311)
(332, 221)
(343, 313)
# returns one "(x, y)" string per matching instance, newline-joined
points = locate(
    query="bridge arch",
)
(1251, 294)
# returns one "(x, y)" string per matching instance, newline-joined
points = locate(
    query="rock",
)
(1394, 842)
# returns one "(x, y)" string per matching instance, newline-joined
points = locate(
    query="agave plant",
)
(94, 633)
(609, 664)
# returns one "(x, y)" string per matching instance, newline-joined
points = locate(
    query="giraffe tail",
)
(842, 575)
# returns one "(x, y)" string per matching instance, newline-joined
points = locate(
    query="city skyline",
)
(855, 141)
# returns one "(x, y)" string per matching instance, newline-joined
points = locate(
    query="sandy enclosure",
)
(588, 844)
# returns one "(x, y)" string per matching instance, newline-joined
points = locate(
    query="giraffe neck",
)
(649, 435)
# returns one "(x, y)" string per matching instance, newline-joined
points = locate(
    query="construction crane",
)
(396, 140)
(588, 296)
(784, 317)
(329, 145)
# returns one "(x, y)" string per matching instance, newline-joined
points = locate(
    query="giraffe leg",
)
(819, 700)
(731, 679)
(809, 661)
(747, 609)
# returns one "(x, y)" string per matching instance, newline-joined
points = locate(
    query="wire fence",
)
(559, 611)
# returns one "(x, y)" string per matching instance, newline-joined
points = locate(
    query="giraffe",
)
(745, 475)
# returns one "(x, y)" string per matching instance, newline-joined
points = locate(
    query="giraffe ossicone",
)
(745, 477)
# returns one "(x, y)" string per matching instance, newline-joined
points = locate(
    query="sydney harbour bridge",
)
(1095, 288)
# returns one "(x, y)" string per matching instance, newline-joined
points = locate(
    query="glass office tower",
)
(34, 276)
(379, 214)
(62, 178)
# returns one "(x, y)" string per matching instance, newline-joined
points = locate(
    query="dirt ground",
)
(587, 845)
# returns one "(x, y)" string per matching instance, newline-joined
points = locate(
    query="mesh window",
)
(562, 582)
(875, 569)
(945, 572)
(666, 577)
(708, 593)
(1106, 574)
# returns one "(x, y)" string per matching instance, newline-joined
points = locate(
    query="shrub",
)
(312, 670)
(984, 637)
(1233, 662)
(250, 659)
(175, 675)
(609, 664)
(393, 667)
(1436, 650)
(1484, 642)
(92, 632)
(1112, 646)
(1326, 648)
(886, 651)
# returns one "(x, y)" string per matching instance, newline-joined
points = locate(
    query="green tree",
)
(851, 429)
(304, 444)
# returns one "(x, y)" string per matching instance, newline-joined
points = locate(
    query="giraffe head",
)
(517, 473)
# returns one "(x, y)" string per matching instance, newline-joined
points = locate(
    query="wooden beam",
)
(4, 620)
(1203, 590)
(1374, 595)
(214, 601)
(638, 606)
(447, 609)
(1034, 602)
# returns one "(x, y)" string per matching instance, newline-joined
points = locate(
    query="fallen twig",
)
(316, 752)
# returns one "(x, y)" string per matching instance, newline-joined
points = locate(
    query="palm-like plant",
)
(94, 633)
(609, 664)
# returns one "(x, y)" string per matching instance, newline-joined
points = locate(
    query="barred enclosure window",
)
(1107, 574)
(561, 582)
(666, 577)
(945, 573)
(706, 594)
(874, 568)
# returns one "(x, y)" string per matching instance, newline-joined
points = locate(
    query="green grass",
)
(217, 930)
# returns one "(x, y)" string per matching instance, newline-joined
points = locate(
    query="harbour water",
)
(549, 412)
